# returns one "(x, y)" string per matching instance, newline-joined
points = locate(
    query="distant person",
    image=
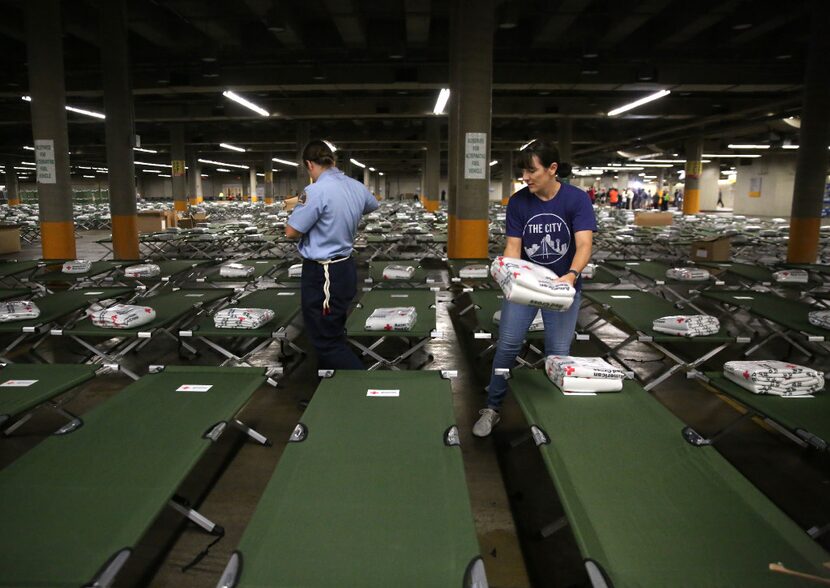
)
(613, 197)
(720, 203)
(325, 222)
(443, 195)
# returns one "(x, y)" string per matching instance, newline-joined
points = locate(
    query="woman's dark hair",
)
(318, 152)
(548, 153)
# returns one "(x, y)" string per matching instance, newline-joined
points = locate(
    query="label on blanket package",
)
(383, 393)
(286, 293)
(620, 296)
(193, 295)
(744, 297)
(399, 296)
(17, 383)
(632, 263)
(95, 293)
(194, 388)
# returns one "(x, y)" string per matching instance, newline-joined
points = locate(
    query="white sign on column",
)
(45, 159)
(475, 156)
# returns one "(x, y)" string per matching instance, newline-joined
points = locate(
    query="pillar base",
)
(468, 238)
(179, 205)
(125, 237)
(691, 202)
(430, 205)
(802, 246)
(14, 201)
(58, 240)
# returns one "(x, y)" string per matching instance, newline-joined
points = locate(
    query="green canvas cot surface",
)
(655, 271)
(375, 499)
(169, 307)
(810, 415)
(15, 293)
(55, 273)
(639, 309)
(55, 306)
(783, 311)
(23, 387)
(14, 268)
(422, 300)
(649, 508)
(75, 500)
(168, 268)
(284, 303)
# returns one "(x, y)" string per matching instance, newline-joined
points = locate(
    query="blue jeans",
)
(513, 326)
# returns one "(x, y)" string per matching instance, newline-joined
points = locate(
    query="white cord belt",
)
(327, 281)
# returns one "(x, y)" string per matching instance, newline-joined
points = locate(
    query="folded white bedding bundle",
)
(235, 270)
(242, 318)
(583, 374)
(19, 310)
(524, 282)
(774, 377)
(538, 323)
(400, 318)
(819, 318)
(694, 325)
(688, 274)
(77, 266)
(255, 238)
(142, 270)
(398, 272)
(589, 271)
(121, 316)
(475, 271)
(790, 276)
(250, 230)
(295, 271)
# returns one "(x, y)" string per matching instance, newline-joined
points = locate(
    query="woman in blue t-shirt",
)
(549, 223)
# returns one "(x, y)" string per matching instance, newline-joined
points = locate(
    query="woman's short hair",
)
(548, 153)
(318, 152)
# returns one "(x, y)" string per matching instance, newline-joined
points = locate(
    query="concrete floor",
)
(511, 495)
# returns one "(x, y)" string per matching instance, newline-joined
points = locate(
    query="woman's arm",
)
(584, 243)
(513, 247)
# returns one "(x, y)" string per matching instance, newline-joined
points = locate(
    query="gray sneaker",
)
(484, 426)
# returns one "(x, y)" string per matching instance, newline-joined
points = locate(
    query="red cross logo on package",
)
(746, 375)
(569, 370)
(680, 320)
(387, 328)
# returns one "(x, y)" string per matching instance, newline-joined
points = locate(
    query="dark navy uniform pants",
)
(327, 332)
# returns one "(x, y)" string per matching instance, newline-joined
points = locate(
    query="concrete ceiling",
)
(365, 73)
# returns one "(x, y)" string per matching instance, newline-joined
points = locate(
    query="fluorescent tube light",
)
(28, 148)
(494, 162)
(357, 163)
(143, 150)
(441, 103)
(231, 147)
(526, 145)
(640, 102)
(747, 146)
(151, 164)
(285, 162)
(223, 164)
(164, 175)
(727, 155)
(222, 169)
(330, 145)
(85, 112)
(371, 169)
(247, 104)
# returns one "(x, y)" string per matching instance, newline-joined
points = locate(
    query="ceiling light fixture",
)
(230, 95)
(223, 164)
(285, 162)
(143, 150)
(640, 102)
(357, 163)
(85, 112)
(441, 103)
(222, 169)
(231, 147)
(150, 164)
(727, 155)
(747, 146)
(330, 145)
(371, 169)
(494, 162)
(526, 145)
(164, 175)
(28, 148)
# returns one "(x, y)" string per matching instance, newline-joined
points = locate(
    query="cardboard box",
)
(289, 203)
(199, 217)
(152, 221)
(9, 239)
(171, 218)
(717, 249)
(653, 219)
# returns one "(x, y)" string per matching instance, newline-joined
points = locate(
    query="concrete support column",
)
(343, 163)
(120, 129)
(694, 169)
(709, 187)
(811, 167)
(367, 176)
(268, 180)
(660, 175)
(12, 192)
(177, 157)
(194, 179)
(507, 177)
(432, 165)
(471, 76)
(44, 45)
(252, 182)
(376, 188)
(565, 142)
(303, 137)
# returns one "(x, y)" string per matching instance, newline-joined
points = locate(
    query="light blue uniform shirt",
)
(328, 214)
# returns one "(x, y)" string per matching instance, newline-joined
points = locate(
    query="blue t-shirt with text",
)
(547, 228)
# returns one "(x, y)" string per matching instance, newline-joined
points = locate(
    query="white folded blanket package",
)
(589, 270)
(583, 374)
(399, 318)
(398, 272)
(527, 283)
(77, 266)
(236, 270)
(19, 310)
(688, 274)
(295, 271)
(242, 318)
(476, 271)
(819, 318)
(142, 270)
(791, 276)
(774, 377)
(538, 323)
(695, 325)
(121, 316)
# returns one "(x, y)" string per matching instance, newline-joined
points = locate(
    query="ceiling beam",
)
(551, 32)
(417, 23)
(638, 15)
(705, 20)
(348, 22)
(288, 30)
(200, 16)
(780, 19)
